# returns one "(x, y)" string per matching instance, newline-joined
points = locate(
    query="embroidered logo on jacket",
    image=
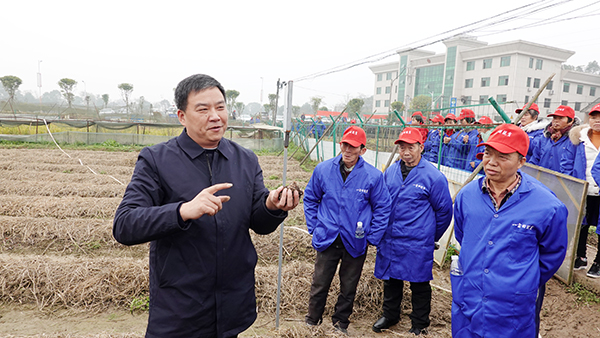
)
(419, 186)
(523, 226)
(364, 191)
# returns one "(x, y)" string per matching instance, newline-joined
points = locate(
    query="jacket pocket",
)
(524, 309)
(523, 244)
(457, 290)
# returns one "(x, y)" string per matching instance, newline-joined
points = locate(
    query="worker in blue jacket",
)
(481, 128)
(533, 126)
(431, 146)
(195, 199)
(555, 139)
(346, 206)
(421, 213)
(449, 135)
(511, 243)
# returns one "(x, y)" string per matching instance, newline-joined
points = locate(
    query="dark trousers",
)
(393, 290)
(592, 208)
(325, 268)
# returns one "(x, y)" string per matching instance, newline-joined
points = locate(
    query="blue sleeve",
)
(441, 202)
(312, 198)
(596, 170)
(537, 150)
(553, 244)
(458, 218)
(381, 206)
(567, 160)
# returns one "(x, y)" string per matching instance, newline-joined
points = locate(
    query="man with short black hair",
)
(347, 206)
(513, 236)
(202, 258)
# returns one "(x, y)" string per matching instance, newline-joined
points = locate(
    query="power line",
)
(386, 54)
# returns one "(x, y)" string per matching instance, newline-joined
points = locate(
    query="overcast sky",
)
(248, 44)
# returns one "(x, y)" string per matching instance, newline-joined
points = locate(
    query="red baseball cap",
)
(507, 138)
(354, 136)
(418, 113)
(410, 135)
(438, 118)
(450, 116)
(564, 111)
(533, 106)
(466, 112)
(484, 120)
(596, 109)
(353, 121)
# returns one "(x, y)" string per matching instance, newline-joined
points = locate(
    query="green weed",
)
(139, 304)
(583, 295)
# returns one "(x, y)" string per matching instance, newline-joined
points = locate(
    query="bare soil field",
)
(63, 275)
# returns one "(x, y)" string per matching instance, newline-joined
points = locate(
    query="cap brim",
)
(352, 143)
(406, 141)
(503, 148)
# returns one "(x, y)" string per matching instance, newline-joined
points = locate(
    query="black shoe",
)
(383, 324)
(418, 331)
(580, 263)
(339, 328)
(594, 271)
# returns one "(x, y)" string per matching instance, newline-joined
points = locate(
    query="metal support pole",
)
(287, 126)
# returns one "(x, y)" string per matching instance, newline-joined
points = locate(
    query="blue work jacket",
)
(596, 176)
(506, 255)
(547, 153)
(447, 148)
(201, 271)
(333, 207)
(421, 213)
(432, 145)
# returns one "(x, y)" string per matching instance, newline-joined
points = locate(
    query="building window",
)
(538, 63)
(470, 65)
(466, 100)
(378, 103)
(530, 62)
(388, 89)
(469, 83)
(505, 61)
(503, 80)
(487, 63)
(564, 102)
(526, 99)
(592, 91)
(378, 91)
(550, 85)
(547, 103)
(379, 77)
(501, 98)
(536, 83)
(483, 99)
(579, 89)
(528, 82)
(577, 106)
(386, 103)
(485, 81)
(388, 75)
(566, 86)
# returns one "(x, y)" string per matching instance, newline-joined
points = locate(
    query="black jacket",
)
(201, 271)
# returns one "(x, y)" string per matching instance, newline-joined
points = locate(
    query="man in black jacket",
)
(202, 259)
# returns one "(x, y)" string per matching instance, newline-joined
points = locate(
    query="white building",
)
(471, 71)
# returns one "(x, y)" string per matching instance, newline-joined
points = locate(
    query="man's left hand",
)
(289, 199)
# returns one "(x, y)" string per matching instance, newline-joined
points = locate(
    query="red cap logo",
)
(507, 138)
